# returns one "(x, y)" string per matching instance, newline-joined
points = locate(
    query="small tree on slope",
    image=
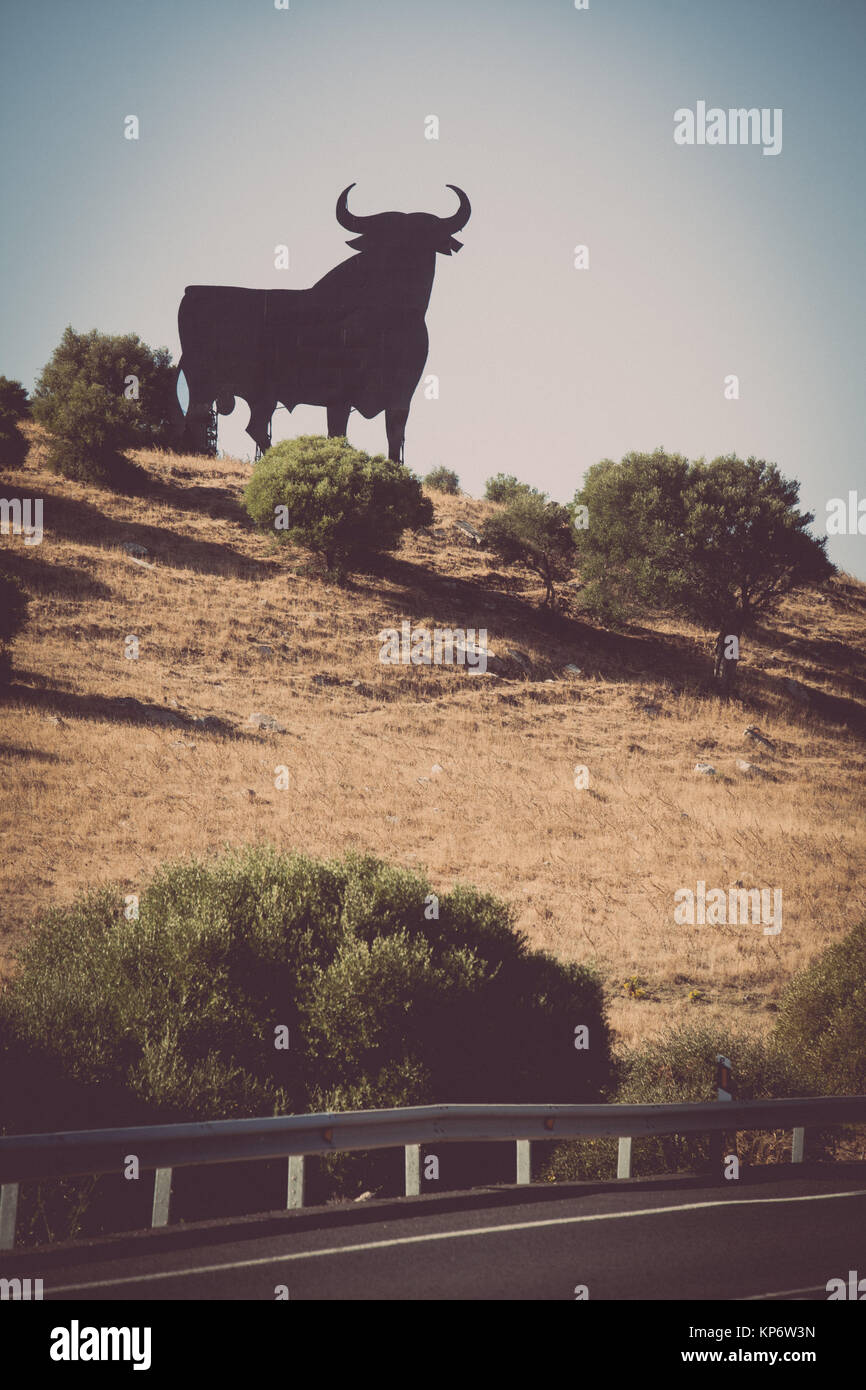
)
(721, 542)
(532, 531)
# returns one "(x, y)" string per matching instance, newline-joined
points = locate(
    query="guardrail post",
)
(524, 1173)
(295, 1189)
(623, 1156)
(161, 1196)
(8, 1213)
(723, 1092)
(798, 1145)
(413, 1169)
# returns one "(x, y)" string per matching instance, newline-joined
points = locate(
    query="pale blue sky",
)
(559, 125)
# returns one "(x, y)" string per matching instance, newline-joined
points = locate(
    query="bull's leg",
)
(198, 425)
(259, 427)
(395, 428)
(197, 428)
(338, 421)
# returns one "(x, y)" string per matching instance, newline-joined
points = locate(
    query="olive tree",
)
(720, 542)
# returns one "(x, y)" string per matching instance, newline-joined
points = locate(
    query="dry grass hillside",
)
(111, 765)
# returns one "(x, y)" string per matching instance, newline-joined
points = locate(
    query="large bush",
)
(87, 399)
(337, 501)
(345, 953)
(822, 1018)
(172, 1015)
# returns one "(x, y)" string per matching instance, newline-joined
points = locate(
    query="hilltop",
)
(111, 765)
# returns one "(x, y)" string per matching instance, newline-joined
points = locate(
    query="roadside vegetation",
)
(260, 983)
(816, 1048)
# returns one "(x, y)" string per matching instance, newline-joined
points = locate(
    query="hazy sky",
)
(558, 123)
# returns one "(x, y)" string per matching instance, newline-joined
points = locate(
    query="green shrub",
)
(535, 532)
(81, 400)
(603, 605)
(504, 487)
(13, 445)
(443, 480)
(13, 607)
(822, 1018)
(14, 400)
(91, 431)
(172, 1015)
(102, 359)
(13, 615)
(337, 501)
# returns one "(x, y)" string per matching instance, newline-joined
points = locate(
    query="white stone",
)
(266, 721)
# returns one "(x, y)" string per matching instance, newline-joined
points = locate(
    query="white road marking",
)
(442, 1235)
(784, 1293)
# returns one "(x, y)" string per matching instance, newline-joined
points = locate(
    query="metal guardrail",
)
(31, 1157)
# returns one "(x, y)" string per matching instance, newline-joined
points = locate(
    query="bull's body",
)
(356, 339)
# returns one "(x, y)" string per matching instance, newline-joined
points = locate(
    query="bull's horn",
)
(346, 218)
(450, 225)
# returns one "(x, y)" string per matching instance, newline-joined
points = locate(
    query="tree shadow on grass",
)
(216, 502)
(766, 690)
(845, 662)
(12, 750)
(635, 654)
(117, 709)
(39, 576)
(73, 519)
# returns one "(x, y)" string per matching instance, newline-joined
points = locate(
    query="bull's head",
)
(421, 231)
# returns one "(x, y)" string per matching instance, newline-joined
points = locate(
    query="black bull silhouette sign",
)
(356, 339)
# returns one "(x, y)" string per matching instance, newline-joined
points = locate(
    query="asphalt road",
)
(784, 1238)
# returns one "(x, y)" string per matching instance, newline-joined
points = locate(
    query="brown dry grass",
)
(95, 790)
